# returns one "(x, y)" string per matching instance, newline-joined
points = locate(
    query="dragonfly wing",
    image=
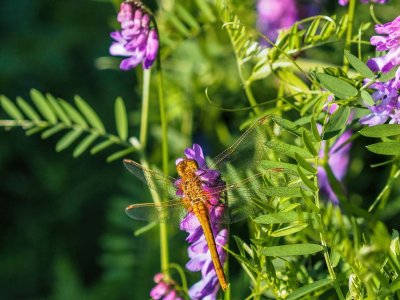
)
(171, 212)
(154, 180)
(247, 152)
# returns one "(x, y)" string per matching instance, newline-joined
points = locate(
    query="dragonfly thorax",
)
(187, 168)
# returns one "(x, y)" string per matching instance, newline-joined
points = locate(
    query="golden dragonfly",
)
(241, 187)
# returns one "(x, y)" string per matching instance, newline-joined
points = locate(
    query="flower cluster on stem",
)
(386, 105)
(164, 289)
(137, 40)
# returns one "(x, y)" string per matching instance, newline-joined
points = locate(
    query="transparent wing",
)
(156, 181)
(171, 212)
(246, 152)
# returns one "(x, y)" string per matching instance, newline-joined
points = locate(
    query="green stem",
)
(322, 237)
(145, 109)
(165, 160)
(349, 32)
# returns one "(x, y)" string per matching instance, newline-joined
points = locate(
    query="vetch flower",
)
(388, 40)
(137, 40)
(274, 15)
(199, 253)
(387, 106)
(165, 289)
(338, 161)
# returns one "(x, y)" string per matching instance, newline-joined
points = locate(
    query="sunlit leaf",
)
(10, 108)
(120, 154)
(28, 110)
(84, 144)
(368, 100)
(282, 217)
(342, 89)
(42, 105)
(282, 191)
(308, 289)
(89, 114)
(359, 65)
(380, 131)
(49, 132)
(385, 148)
(337, 122)
(68, 139)
(121, 119)
(288, 230)
(73, 114)
(101, 146)
(54, 103)
(292, 250)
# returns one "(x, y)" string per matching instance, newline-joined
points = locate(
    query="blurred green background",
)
(63, 231)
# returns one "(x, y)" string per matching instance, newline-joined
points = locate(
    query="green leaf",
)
(145, 228)
(288, 125)
(101, 146)
(337, 122)
(282, 217)
(380, 131)
(309, 144)
(290, 150)
(84, 144)
(385, 148)
(315, 131)
(34, 130)
(187, 17)
(303, 163)
(368, 100)
(290, 250)
(49, 132)
(43, 106)
(68, 139)
(206, 10)
(288, 230)
(282, 191)
(308, 289)
(268, 164)
(359, 65)
(309, 201)
(10, 108)
(121, 119)
(28, 110)
(342, 89)
(89, 114)
(73, 114)
(120, 154)
(388, 75)
(310, 35)
(307, 182)
(58, 109)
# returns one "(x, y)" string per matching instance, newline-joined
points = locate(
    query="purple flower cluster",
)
(165, 289)
(200, 258)
(274, 15)
(136, 40)
(386, 95)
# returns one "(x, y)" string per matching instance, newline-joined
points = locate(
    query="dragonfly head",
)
(187, 167)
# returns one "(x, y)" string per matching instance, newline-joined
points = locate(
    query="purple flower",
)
(389, 40)
(165, 289)
(198, 251)
(274, 15)
(338, 161)
(345, 2)
(136, 40)
(387, 106)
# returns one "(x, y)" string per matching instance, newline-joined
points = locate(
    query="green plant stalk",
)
(165, 161)
(324, 244)
(349, 32)
(144, 118)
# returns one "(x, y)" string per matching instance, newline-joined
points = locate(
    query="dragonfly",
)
(237, 195)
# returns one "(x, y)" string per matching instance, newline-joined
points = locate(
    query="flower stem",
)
(349, 32)
(164, 130)
(145, 109)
